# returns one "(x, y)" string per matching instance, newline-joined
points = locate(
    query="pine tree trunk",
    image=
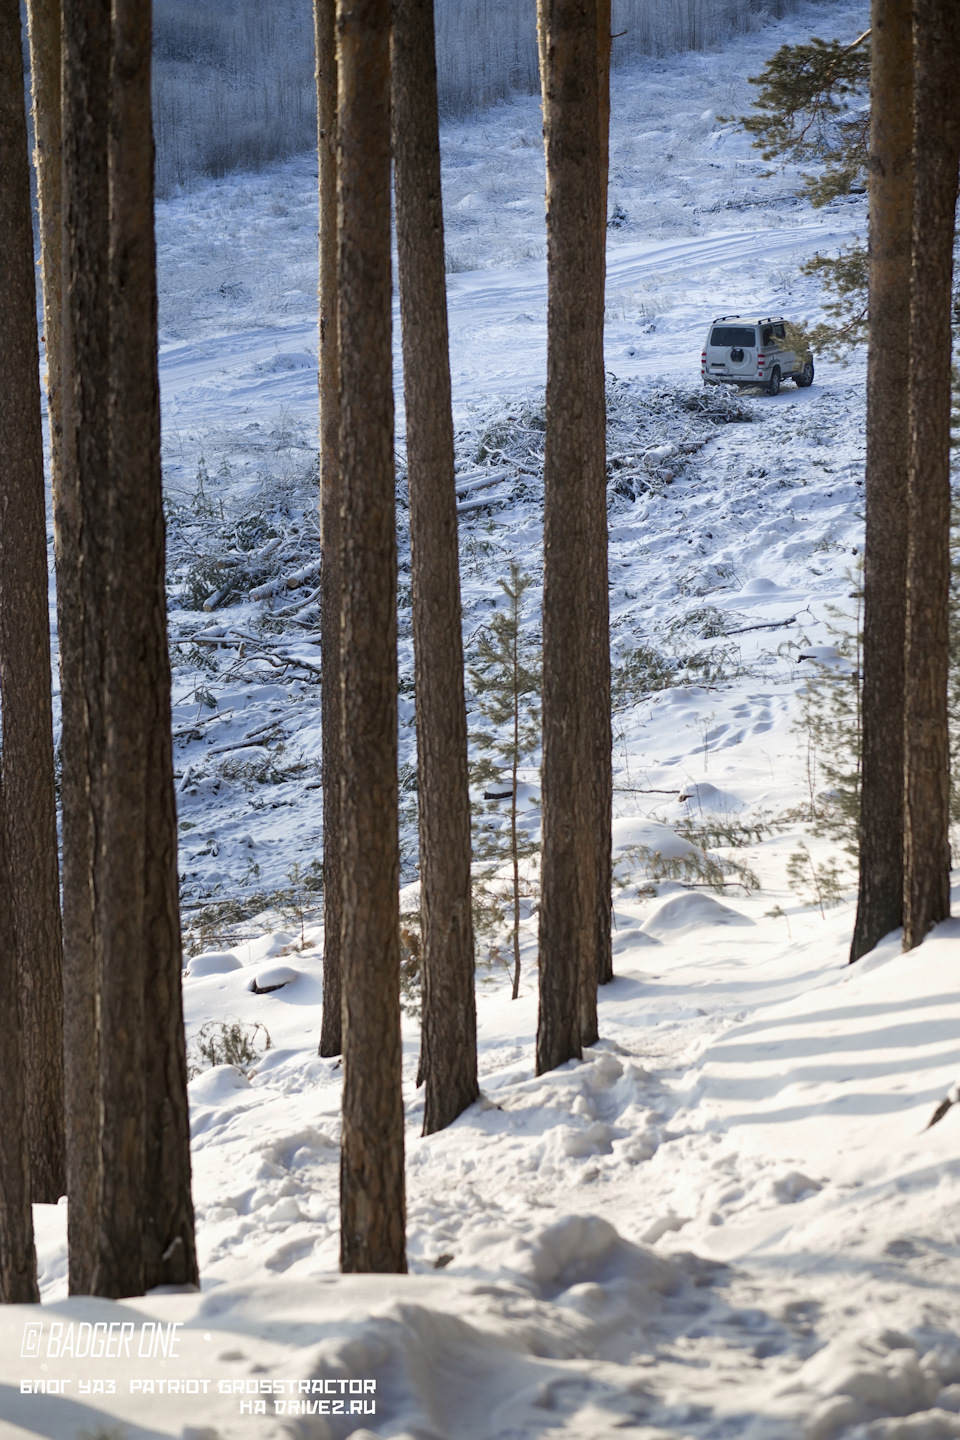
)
(599, 654)
(85, 363)
(574, 534)
(331, 525)
(44, 20)
(449, 1026)
(18, 1261)
(140, 923)
(372, 1207)
(880, 904)
(926, 893)
(28, 774)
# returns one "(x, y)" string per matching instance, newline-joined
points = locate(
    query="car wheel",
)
(805, 377)
(773, 384)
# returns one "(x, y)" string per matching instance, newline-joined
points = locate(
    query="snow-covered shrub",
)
(227, 1042)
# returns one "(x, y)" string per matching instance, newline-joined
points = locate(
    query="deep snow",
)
(728, 1220)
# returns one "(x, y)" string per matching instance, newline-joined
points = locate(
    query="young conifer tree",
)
(576, 761)
(448, 1061)
(926, 894)
(372, 1205)
(28, 770)
(505, 680)
(331, 525)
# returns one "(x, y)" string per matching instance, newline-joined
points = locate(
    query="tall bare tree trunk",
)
(574, 534)
(28, 775)
(21, 464)
(880, 904)
(372, 1206)
(144, 1091)
(926, 893)
(116, 509)
(448, 1061)
(18, 1260)
(85, 366)
(44, 22)
(331, 523)
(599, 653)
(132, 1225)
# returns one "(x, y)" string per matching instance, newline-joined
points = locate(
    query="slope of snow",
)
(728, 1220)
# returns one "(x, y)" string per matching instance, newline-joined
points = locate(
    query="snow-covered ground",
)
(728, 1220)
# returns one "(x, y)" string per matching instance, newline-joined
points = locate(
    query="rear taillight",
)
(760, 361)
(703, 362)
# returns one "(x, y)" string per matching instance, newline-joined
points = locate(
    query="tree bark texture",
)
(880, 901)
(449, 1026)
(575, 644)
(146, 1211)
(599, 653)
(28, 773)
(331, 524)
(44, 22)
(926, 893)
(18, 1261)
(372, 1207)
(604, 47)
(85, 453)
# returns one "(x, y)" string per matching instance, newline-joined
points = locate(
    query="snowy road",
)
(497, 322)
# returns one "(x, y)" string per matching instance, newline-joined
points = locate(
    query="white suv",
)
(743, 350)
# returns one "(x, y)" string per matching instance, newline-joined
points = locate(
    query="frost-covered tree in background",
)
(234, 83)
(331, 536)
(505, 680)
(880, 899)
(372, 1204)
(28, 770)
(926, 895)
(576, 774)
(448, 1060)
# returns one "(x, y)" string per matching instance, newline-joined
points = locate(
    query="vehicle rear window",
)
(734, 335)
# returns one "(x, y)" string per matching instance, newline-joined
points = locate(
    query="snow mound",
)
(632, 831)
(217, 1084)
(760, 586)
(286, 360)
(710, 798)
(689, 912)
(274, 977)
(573, 1251)
(213, 962)
(877, 1388)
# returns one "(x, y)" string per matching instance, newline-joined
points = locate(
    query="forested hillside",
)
(233, 80)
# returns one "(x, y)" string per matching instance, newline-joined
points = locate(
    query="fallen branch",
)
(767, 625)
(286, 582)
(633, 790)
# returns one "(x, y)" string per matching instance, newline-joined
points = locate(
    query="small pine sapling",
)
(830, 724)
(820, 885)
(505, 681)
